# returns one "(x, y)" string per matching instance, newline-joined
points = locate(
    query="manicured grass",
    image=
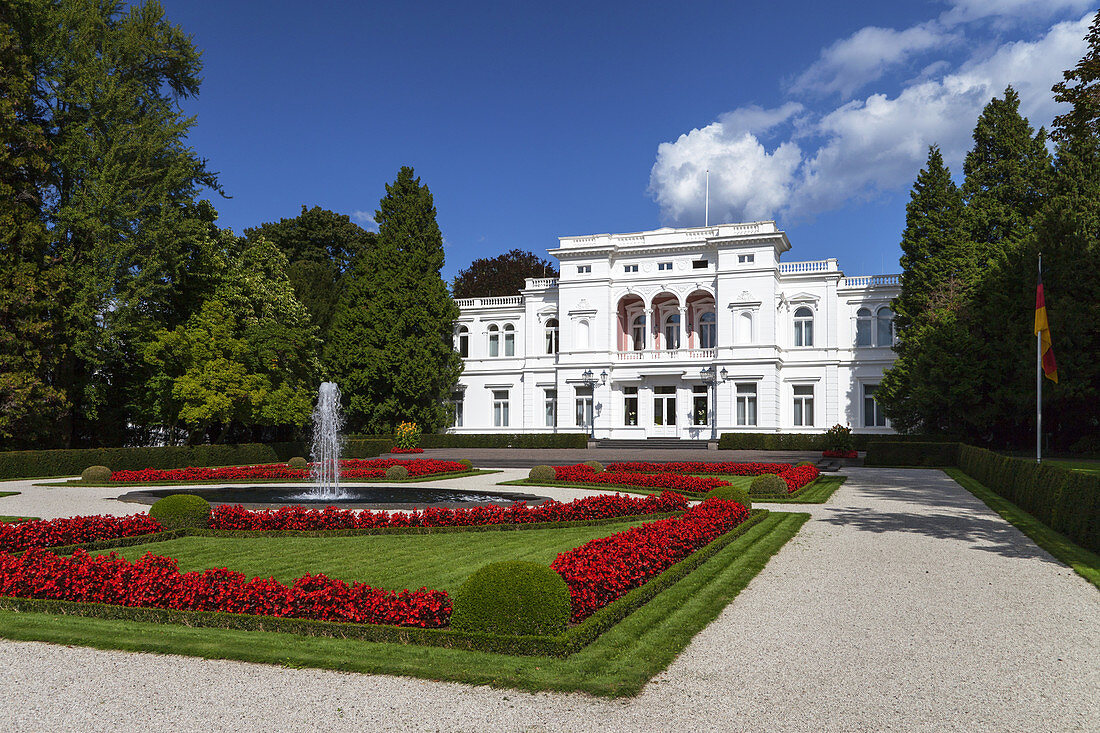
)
(817, 491)
(439, 561)
(349, 482)
(1084, 562)
(7, 493)
(1089, 466)
(618, 663)
(10, 520)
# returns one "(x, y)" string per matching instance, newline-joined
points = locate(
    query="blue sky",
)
(530, 121)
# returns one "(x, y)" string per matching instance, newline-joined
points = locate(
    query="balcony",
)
(478, 302)
(651, 355)
(871, 281)
(541, 283)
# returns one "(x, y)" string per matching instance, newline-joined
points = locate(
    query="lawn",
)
(817, 491)
(618, 663)
(7, 493)
(1089, 466)
(439, 561)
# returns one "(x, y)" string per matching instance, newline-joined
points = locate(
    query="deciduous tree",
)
(504, 274)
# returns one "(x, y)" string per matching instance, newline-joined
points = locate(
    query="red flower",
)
(795, 476)
(73, 531)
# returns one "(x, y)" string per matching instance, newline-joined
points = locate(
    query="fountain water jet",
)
(325, 451)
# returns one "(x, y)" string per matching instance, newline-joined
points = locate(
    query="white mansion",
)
(684, 333)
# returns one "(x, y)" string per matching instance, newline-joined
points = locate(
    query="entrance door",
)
(664, 412)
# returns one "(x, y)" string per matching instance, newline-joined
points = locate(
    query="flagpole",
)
(1039, 385)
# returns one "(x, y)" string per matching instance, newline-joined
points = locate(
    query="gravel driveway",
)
(903, 605)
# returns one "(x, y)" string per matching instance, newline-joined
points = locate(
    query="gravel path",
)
(903, 605)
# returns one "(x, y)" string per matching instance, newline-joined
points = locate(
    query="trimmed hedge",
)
(768, 484)
(807, 441)
(731, 493)
(397, 473)
(494, 440)
(70, 462)
(1065, 500)
(512, 598)
(181, 511)
(96, 474)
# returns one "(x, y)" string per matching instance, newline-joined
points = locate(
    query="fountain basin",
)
(366, 497)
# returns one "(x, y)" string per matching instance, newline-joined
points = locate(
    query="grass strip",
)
(817, 491)
(8, 493)
(618, 663)
(219, 482)
(15, 520)
(1084, 562)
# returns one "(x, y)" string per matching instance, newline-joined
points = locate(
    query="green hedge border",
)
(791, 498)
(805, 441)
(573, 639)
(495, 440)
(349, 482)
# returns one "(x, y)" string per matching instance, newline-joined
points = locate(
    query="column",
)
(683, 327)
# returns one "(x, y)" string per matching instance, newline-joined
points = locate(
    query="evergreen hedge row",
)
(1065, 500)
(805, 441)
(496, 440)
(70, 462)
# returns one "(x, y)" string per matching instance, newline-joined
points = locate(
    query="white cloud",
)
(366, 220)
(860, 148)
(964, 11)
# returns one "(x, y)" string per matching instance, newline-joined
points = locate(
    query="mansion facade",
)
(678, 333)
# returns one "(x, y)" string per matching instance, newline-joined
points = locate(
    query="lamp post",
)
(589, 380)
(711, 376)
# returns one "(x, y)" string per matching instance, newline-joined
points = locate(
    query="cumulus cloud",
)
(858, 149)
(964, 11)
(366, 220)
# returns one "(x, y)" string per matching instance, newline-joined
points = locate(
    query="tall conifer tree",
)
(391, 347)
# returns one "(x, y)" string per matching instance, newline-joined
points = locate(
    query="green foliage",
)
(911, 454)
(731, 493)
(96, 474)
(504, 440)
(805, 463)
(504, 274)
(512, 598)
(594, 465)
(181, 511)
(768, 483)
(396, 473)
(838, 437)
(466, 462)
(1080, 88)
(407, 436)
(542, 473)
(390, 347)
(298, 462)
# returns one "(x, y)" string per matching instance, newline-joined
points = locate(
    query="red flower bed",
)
(395, 449)
(301, 519)
(581, 473)
(602, 570)
(156, 582)
(351, 468)
(840, 454)
(795, 476)
(73, 531)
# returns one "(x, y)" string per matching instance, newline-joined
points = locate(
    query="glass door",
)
(664, 411)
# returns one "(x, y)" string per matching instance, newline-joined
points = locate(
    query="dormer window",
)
(584, 269)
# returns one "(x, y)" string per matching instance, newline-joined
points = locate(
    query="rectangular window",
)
(551, 408)
(500, 408)
(699, 264)
(746, 259)
(873, 416)
(746, 403)
(509, 341)
(630, 268)
(664, 405)
(699, 404)
(804, 404)
(584, 407)
(456, 409)
(584, 269)
(664, 265)
(630, 406)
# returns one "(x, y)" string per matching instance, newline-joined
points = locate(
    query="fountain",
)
(325, 450)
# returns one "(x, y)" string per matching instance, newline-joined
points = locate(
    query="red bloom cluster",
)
(351, 468)
(795, 476)
(581, 473)
(840, 454)
(72, 531)
(602, 570)
(302, 519)
(156, 582)
(395, 449)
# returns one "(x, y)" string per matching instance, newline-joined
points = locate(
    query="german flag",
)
(1042, 329)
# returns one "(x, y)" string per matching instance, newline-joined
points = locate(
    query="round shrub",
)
(511, 598)
(397, 472)
(298, 462)
(594, 465)
(805, 463)
(466, 462)
(180, 511)
(96, 474)
(731, 493)
(542, 473)
(768, 483)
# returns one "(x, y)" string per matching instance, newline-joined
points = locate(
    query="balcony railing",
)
(476, 302)
(541, 283)
(664, 354)
(871, 281)
(793, 268)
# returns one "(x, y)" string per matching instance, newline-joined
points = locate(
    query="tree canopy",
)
(504, 274)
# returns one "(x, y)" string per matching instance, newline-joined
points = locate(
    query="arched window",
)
(672, 331)
(708, 330)
(552, 336)
(463, 342)
(509, 339)
(863, 327)
(803, 327)
(744, 328)
(582, 335)
(494, 340)
(637, 332)
(884, 326)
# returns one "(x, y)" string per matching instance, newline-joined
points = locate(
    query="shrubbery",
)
(96, 474)
(298, 462)
(594, 465)
(768, 484)
(731, 493)
(512, 598)
(543, 474)
(180, 511)
(467, 463)
(397, 473)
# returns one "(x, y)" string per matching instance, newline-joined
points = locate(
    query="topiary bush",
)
(731, 493)
(594, 465)
(395, 473)
(805, 463)
(466, 462)
(768, 484)
(180, 511)
(298, 462)
(542, 473)
(512, 598)
(96, 474)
